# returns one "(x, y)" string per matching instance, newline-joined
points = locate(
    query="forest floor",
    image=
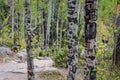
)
(15, 68)
(12, 70)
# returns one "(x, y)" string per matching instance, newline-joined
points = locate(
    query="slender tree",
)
(28, 36)
(116, 53)
(72, 39)
(91, 8)
(49, 22)
(16, 26)
(57, 25)
(52, 22)
(61, 30)
(18, 14)
(12, 18)
(44, 27)
(38, 24)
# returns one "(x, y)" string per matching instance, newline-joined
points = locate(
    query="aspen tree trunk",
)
(116, 53)
(57, 25)
(72, 40)
(38, 24)
(61, 33)
(49, 22)
(12, 18)
(52, 24)
(61, 26)
(18, 14)
(78, 6)
(16, 28)
(28, 35)
(45, 28)
(91, 8)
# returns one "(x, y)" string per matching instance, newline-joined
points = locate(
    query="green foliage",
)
(60, 59)
(37, 52)
(23, 43)
(3, 9)
(42, 53)
(106, 10)
(118, 1)
(50, 75)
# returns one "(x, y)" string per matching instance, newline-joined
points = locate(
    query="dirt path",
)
(14, 70)
(18, 71)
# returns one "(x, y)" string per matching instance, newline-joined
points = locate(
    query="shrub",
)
(60, 59)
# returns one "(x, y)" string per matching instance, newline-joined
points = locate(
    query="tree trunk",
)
(72, 40)
(12, 18)
(49, 22)
(45, 28)
(57, 25)
(91, 7)
(16, 27)
(116, 53)
(61, 32)
(18, 14)
(28, 35)
(52, 23)
(38, 24)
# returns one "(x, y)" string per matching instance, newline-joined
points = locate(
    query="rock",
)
(48, 69)
(22, 55)
(5, 51)
(43, 58)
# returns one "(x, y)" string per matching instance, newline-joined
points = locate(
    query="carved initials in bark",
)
(90, 35)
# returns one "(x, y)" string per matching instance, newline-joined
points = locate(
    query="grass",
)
(50, 75)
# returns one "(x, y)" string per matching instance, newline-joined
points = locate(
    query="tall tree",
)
(28, 36)
(18, 14)
(61, 30)
(44, 27)
(91, 8)
(12, 18)
(16, 25)
(72, 39)
(116, 53)
(38, 23)
(57, 25)
(49, 22)
(52, 23)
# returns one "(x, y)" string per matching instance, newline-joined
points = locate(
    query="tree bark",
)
(49, 22)
(61, 32)
(38, 24)
(16, 27)
(91, 8)
(28, 36)
(116, 53)
(52, 23)
(45, 28)
(72, 40)
(18, 14)
(57, 25)
(12, 18)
